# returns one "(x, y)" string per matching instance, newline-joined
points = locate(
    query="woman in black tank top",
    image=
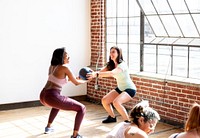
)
(192, 125)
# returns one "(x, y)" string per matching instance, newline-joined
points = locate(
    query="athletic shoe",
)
(48, 130)
(109, 119)
(127, 121)
(78, 136)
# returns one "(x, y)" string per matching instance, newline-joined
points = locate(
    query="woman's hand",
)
(91, 75)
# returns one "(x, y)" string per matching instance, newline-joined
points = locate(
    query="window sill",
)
(166, 78)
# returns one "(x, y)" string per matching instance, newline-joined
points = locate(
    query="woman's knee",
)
(82, 108)
(116, 103)
(104, 100)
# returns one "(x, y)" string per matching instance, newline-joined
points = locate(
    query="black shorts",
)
(131, 92)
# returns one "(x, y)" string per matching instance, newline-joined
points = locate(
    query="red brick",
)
(144, 80)
(166, 88)
(148, 84)
(169, 101)
(176, 89)
(161, 112)
(196, 92)
(157, 86)
(171, 115)
(183, 100)
(181, 95)
(181, 86)
(187, 91)
(193, 97)
(181, 118)
(176, 107)
(171, 84)
(160, 83)
(193, 88)
(172, 93)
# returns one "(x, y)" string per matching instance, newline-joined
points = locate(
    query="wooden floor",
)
(30, 123)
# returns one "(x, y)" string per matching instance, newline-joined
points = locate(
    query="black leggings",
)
(52, 98)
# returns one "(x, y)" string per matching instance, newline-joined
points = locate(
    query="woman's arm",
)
(104, 73)
(72, 78)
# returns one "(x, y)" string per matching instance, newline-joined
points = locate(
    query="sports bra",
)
(176, 135)
(59, 82)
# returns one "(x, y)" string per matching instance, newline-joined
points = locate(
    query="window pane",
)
(157, 26)
(150, 58)
(134, 30)
(124, 48)
(111, 30)
(122, 30)
(187, 25)
(196, 18)
(122, 8)
(171, 25)
(178, 6)
(193, 5)
(156, 40)
(134, 57)
(162, 6)
(148, 32)
(147, 6)
(164, 60)
(111, 38)
(183, 41)
(180, 61)
(168, 40)
(111, 9)
(194, 71)
(195, 42)
(134, 9)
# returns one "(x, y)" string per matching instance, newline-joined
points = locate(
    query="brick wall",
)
(171, 99)
(97, 32)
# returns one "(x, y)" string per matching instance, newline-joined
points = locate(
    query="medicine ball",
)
(83, 72)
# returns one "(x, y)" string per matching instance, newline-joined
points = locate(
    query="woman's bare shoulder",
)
(135, 132)
(65, 68)
(185, 135)
(173, 135)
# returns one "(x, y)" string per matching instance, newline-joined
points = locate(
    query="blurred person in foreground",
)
(143, 120)
(192, 125)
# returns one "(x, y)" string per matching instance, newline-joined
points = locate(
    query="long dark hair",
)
(57, 57)
(111, 64)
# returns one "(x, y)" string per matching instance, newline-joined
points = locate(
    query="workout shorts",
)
(131, 92)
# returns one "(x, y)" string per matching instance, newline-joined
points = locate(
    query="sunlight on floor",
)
(30, 123)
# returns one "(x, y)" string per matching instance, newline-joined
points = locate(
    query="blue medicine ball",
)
(83, 72)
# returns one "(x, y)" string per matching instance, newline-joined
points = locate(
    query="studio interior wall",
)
(30, 31)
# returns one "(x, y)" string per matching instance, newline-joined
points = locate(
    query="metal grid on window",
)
(156, 35)
(123, 30)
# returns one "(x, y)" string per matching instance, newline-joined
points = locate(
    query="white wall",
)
(29, 32)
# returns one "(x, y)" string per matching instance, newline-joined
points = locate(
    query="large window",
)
(123, 29)
(157, 36)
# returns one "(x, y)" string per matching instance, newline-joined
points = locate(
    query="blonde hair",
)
(193, 120)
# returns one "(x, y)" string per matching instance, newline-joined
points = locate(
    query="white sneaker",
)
(48, 130)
